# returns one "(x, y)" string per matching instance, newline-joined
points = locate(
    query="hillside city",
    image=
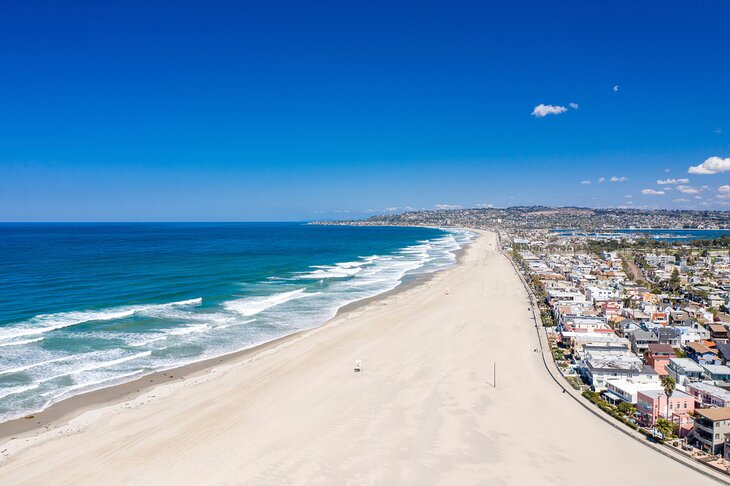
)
(540, 217)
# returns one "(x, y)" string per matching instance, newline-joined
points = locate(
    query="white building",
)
(598, 371)
(627, 390)
(601, 294)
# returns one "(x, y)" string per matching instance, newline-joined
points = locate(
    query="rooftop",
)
(686, 364)
(717, 369)
(715, 413)
(711, 389)
(657, 348)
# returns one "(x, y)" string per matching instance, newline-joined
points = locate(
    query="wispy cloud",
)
(680, 200)
(691, 190)
(543, 110)
(448, 206)
(601, 180)
(618, 179)
(723, 192)
(718, 130)
(663, 182)
(485, 205)
(713, 165)
(615, 88)
(652, 192)
(585, 182)
(573, 105)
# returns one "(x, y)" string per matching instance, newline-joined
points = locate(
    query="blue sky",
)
(197, 111)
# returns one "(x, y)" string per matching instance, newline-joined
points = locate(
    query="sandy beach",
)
(425, 409)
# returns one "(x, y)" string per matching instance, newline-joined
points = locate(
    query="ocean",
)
(85, 306)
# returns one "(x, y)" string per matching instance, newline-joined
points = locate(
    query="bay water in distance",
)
(85, 306)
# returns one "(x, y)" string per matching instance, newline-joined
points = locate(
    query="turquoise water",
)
(84, 306)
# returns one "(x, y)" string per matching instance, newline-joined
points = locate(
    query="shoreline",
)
(424, 409)
(62, 412)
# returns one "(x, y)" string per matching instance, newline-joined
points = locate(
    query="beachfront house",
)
(626, 390)
(652, 404)
(597, 371)
(711, 425)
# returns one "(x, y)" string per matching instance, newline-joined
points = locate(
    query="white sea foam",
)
(250, 306)
(107, 364)
(44, 323)
(329, 272)
(19, 389)
(235, 323)
(91, 384)
(35, 365)
(181, 331)
(24, 341)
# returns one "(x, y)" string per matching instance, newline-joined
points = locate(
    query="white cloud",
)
(680, 200)
(691, 190)
(698, 197)
(601, 180)
(585, 182)
(628, 196)
(485, 205)
(573, 105)
(652, 192)
(663, 182)
(543, 110)
(448, 206)
(713, 165)
(723, 192)
(615, 88)
(618, 179)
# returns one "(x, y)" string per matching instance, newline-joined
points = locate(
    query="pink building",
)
(658, 356)
(652, 404)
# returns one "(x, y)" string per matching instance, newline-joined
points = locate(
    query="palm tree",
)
(669, 385)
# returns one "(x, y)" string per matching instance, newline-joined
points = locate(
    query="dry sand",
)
(423, 411)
